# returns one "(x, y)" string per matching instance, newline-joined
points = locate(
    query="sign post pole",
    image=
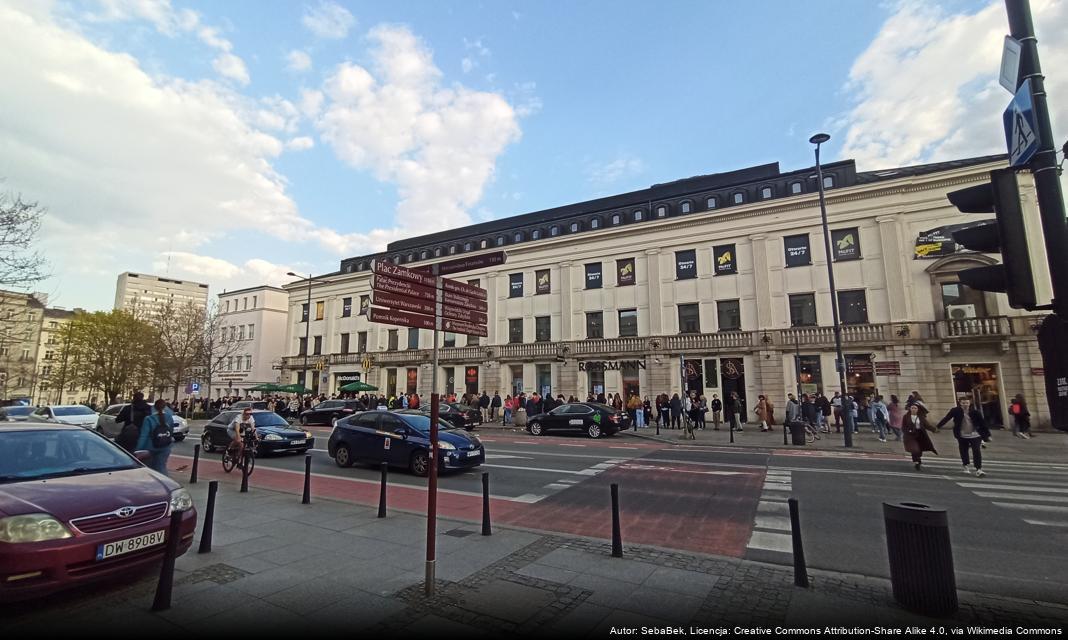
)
(432, 472)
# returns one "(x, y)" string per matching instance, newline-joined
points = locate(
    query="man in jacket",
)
(131, 418)
(483, 406)
(793, 409)
(970, 430)
(495, 406)
(717, 410)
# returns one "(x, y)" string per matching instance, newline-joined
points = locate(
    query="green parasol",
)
(358, 386)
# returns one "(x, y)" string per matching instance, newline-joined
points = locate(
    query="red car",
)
(75, 508)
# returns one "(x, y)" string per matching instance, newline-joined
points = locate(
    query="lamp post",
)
(839, 363)
(307, 325)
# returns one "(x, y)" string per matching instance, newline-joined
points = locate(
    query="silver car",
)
(76, 414)
(16, 413)
(107, 425)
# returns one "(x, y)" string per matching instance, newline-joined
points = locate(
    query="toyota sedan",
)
(76, 414)
(76, 508)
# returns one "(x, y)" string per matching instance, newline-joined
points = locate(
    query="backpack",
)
(161, 433)
(131, 432)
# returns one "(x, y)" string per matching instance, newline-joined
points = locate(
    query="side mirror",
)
(143, 456)
(402, 432)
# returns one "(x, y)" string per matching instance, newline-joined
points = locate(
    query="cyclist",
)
(241, 424)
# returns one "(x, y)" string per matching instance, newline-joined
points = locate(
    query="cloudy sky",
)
(232, 141)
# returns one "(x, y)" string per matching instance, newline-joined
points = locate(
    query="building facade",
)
(21, 315)
(53, 386)
(716, 284)
(253, 325)
(152, 294)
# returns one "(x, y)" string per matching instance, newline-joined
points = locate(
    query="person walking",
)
(810, 411)
(717, 411)
(970, 430)
(676, 410)
(880, 417)
(647, 411)
(131, 417)
(1021, 417)
(506, 415)
(896, 413)
(157, 435)
(702, 410)
(484, 405)
(634, 403)
(824, 406)
(762, 412)
(915, 427)
(793, 410)
(733, 407)
(836, 404)
(495, 406)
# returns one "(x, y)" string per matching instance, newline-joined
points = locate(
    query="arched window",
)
(684, 206)
(765, 193)
(795, 187)
(574, 227)
(423, 255)
(468, 246)
(554, 230)
(411, 257)
(483, 244)
(828, 182)
(638, 215)
(595, 223)
(739, 197)
(437, 252)
(500, 241)
(452, 249)
(615, 218)
(711, 202)
(661, 211)
(535, 234)
(518, 236)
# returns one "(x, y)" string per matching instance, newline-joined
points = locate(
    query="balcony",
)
(996, 327)
(710, 341)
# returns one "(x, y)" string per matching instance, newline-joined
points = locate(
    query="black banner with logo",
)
(685, 264)
(625, 272)
(542, 281)
(939, 242)
(593, 276)
(798, 253)
(724, 260)
(845, 243)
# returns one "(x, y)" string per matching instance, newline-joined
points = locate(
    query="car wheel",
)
(342, 456)
(594, 431)
(535, 429)
(420, 464)
(179, 437)
(205, 443)
(304, 421)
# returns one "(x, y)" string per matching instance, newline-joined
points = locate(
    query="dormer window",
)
(411, 257)
(535, 234)
(615, 218)
(638, 215)
(468, 246)
(554, 230)
(423, 255)
(828, 182)
(739, 198)
(452, 249)
(795, 188)
(437, 252)
(574, 227)
(711, 202)
(595, 223)
(661, 211)
(765, 193)
(500, 241)
(518, 236)
(684, 206)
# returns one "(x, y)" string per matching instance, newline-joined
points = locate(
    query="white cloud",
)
(477, 46)
(311, 102)
(300, 143)
(438, 145)
(221, 274)
(926, 89)
(467, 64)
(230, 66)
(328, 20)
(526, 100)
(297, 60)
(624, 165)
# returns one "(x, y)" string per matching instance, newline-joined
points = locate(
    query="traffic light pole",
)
(1044, 165)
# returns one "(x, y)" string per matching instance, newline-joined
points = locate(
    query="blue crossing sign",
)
(1021, 128)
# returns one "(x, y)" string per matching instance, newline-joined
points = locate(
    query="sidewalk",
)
(280, 566)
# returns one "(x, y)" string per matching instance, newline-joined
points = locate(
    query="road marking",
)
(528, 498)
(1045, 523)
(584, 472)
(773, 497)
(781, 542)
(1010, 487)
(773, 507)
(496, 456)
(568, 444)
(645, 467)
(614, 447)
(1047, 508)
(1015, 496)
(557, 486)
(1023, 483)
(773, 522)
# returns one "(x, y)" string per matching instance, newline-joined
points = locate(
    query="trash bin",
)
(921, 558)
(520, 417)
(797, 432)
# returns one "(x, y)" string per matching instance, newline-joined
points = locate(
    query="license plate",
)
(296, 442)
(129, 545)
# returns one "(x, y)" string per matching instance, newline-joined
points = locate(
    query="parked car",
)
(402, 439)
(107, 425)
(76, 414)
(329, 410)
(17, 413)
(259, 405)
(76, 508)
(456, 414)
(593, 418)
(276, 435)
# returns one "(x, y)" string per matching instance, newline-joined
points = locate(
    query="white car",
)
(76, 414)
(107, 425)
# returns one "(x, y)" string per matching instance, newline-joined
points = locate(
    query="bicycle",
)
(247, 461)
(811, 433)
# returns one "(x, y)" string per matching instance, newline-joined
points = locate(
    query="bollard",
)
(732, 429)
(307, 480)
(800, 571)
(244, 478)
(196, 461)
(485, 505)
(921, 558)
(785, 429)
(382, 492)
(162, 600)
(617, 540)
(209, 518)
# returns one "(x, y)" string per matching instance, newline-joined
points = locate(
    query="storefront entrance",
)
(980, 383)
(732, 376)
(471, 379)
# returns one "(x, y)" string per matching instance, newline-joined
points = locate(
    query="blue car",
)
(401, 439)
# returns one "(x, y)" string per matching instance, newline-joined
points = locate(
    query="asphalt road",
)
(1008, 529)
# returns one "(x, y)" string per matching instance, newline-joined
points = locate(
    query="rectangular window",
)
(594, 324)
(344, 343)
(515, 330)
(625, 272)
(593, 275)
(413, 338)
(803, 309)
(241, 332)
(729, 315)
(797, 250)
(724, 260)
(251, 331)
(515, 285)
(302, 346)
(689, 318)
(448, 339)
(542, 282)
(245, 301)
(253, 302)
(361, 342)
(852, 307)
(365, 305)
(845, 244)
(686, 264)
(542, 329)
(304, 312)
(318, 348)
(392, 339)
(320, 310)
(248, 363)
(628, 323)
(346, 307)
(229, 363)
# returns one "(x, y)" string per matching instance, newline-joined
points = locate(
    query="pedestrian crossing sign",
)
(1021, 129)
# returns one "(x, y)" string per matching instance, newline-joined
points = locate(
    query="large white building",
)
(254, 328)
(716, 283)
(152, 294)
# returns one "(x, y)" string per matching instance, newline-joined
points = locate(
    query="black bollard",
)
(162, 600)
(307, 480)
(658, 426)
(800, 572)
(196, 462)
(732, 430)
(485, 505)
(617, 540)
(244, 478)
(209, 518)
(382, 493)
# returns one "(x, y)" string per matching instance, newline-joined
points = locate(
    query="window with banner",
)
(346, 307)
(517, 378)
(625, 276)
(631, 384)
(471, 379)
(391, 382)
(542, 282)
(724, 260)
(365, 305)
(810, 374)
(593, 275)
(798, 253)
(595, 379)
(695, 379)
(845, 244)
(544, 376)
(515, 285)
(686, 264)
(413, 380)
(860, 374)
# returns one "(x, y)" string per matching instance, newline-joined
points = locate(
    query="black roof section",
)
(867, 177)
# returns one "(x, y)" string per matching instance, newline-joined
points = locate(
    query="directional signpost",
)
(422, 299)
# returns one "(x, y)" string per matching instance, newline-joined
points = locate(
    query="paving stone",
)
(507, 600)
(548, 572)
(681, 581)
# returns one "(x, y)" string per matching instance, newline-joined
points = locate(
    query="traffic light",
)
(1006, 235)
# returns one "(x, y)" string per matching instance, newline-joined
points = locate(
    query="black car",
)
(456, 414)
(276, 435)
(592, 418)
(402, 439)
(329, 410)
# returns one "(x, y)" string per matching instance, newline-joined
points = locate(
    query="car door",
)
(554, 419)
(360, 433)
(216, 429)
(106, 421)
(400, 440)
(578, 417)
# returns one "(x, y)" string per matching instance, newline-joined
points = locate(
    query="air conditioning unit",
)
(960, 311)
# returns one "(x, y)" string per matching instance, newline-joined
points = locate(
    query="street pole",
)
(797, 363)
(839, 363)
(432, 472)
(307, 334)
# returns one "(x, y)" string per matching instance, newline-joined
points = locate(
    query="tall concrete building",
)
(21, 315)
(54, 385)
(153, 293)
(254, 327)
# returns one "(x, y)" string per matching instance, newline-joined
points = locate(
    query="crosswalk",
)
(771, 526)
(1037, 493)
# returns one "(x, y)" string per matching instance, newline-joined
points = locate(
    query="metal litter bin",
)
(797, 432)
(520, 417)
(921, 558)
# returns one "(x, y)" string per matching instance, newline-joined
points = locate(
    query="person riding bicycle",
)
(238, 427)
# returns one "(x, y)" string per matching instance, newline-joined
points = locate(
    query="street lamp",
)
(839, 363)
(307, 324)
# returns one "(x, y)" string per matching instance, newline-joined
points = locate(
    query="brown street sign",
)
(463, 302)
(463, 313)
(466, 264)
(402, 288)
(459, 326)
(402, 303)
(888, 368)
(462, 288)
(402, 318)
(383, 268)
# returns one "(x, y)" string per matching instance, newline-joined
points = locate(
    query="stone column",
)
(896, 264)
(762, 282)
(566, 298)
(656, 299)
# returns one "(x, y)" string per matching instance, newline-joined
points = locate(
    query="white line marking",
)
(773, 507)
(1023, 483)
(1044, 523)
(557, 486)
(624, 447)
(1008, 487)
(565, 444)
(1047, 508)
(772, 498)
(772, 522)
(1018, 496)
(584, 472)
(777, 488)
(771, 541)
(528, 498)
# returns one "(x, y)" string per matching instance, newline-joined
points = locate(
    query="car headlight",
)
(446, 446)
(307, 434)
(32, 527)
(181, 500)
(475, 441)
(272, 436)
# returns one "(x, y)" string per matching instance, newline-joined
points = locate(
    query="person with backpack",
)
(131, 417)
(157, 435)
(1021, 417)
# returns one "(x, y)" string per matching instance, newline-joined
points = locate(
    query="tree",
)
(217, 344)
(180, 333)
(20, 268)
(109, 350)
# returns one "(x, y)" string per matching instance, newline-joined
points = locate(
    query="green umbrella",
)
(265, 387)
(293, 388)
(358, 386)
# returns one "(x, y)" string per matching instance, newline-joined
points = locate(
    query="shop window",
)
(689, 318)
(729, 315)
(852, 307)
(803, 309)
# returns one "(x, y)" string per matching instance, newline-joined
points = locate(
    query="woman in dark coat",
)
(676, 411)
(915, 427)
